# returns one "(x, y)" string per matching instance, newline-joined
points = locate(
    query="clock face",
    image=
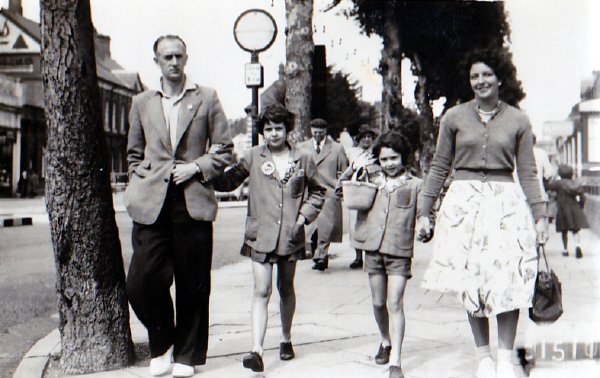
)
(255, 30)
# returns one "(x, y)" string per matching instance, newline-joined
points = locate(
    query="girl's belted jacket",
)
(273, 203)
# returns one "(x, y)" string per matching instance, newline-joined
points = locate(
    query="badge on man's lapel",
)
(190, 106)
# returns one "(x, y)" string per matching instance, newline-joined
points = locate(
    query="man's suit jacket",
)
(151, 157)
(330, 162)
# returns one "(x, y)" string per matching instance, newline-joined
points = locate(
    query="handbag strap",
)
(541, 247)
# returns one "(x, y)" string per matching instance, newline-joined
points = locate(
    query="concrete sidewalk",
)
(335, 334)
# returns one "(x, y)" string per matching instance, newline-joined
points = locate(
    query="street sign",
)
(253, 76)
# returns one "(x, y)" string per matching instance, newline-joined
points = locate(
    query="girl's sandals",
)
(286, 351)
(254, 362)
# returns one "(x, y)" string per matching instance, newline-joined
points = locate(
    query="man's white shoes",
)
(181, 370)
(486, 368)
(161, 364)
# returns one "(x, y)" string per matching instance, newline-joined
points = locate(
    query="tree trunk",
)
(424, 105)
(298, 69)
(92, 304)
(390, 69)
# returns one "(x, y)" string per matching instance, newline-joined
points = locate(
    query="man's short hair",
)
(318, 123)
(168, 36)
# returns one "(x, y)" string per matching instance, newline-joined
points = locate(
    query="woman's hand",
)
(423, 229)
(541, 228)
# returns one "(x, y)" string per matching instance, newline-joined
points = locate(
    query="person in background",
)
(331, 162)
(386, 233)
(284, 194)
(23, 185)
(173, 208)
(486, 233)
(570, 199)
(364, 143)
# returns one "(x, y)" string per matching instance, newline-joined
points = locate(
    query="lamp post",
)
(254, 31)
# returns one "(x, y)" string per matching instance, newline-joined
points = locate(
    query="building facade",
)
(22, 122)
(578, 143)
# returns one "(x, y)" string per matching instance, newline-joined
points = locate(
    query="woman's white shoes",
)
(486, 368)
(181, 370)
(161, 364)
(505, 370)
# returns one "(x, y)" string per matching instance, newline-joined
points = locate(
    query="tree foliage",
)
(439, 34)
(344, 108)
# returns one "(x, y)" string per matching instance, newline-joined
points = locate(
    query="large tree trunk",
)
(390, 69)
(92, 304)
(298, 69)
(424, 105)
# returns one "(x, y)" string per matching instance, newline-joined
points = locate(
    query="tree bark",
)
(298, 69)
(424, 105)
(390, 69)
(90, 281)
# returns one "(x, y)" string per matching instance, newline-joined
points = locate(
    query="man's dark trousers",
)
(175, 245)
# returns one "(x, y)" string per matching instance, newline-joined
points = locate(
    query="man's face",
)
(171, 58)
(318, 133)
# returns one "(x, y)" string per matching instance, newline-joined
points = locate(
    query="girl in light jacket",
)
(386, 233)
(284, 194)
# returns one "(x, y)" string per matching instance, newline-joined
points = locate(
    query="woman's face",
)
(366, 141)
(484, 82)
(275, 135)
(390, 161)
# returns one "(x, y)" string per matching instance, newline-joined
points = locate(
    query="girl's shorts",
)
(382, 263)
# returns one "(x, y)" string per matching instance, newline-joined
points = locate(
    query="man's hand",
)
(215, 148)
(183, 172)
(541, 229)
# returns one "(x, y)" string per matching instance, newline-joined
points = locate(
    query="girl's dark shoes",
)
(356, 264)
(254, 362)
(578, 252)
(565, 253)
(396, 372)
(286, 351)
(383, 355)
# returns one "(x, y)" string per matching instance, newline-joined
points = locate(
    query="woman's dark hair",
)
(275, 113)
(499, 59)
(396, 141)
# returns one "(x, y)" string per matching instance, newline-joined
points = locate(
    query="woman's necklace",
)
(486, 115)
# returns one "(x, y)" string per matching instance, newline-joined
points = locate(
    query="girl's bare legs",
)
(263, 273)
(395, 300)
(378, 283)
(286, 270)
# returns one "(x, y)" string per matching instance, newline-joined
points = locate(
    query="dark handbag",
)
(547, 297)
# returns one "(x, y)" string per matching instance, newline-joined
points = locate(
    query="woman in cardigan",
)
(485, 238)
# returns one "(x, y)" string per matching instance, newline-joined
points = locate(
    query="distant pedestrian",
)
(364, 146)
(386, 233)
(484, 247)
(173, 208)
(23, 185)
(34, 184)
(284, 194)
(570, 199)
(331, 162)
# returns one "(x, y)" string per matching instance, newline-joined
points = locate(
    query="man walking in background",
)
(331, 161)
(173, 209)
